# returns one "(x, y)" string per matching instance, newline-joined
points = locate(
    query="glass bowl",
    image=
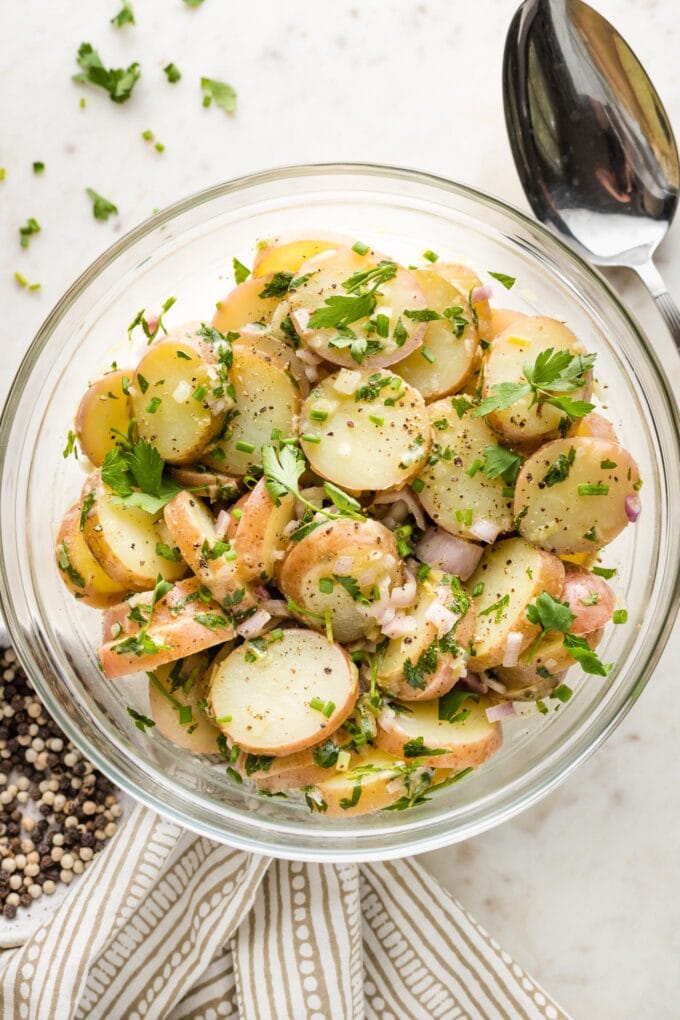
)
(186, 251)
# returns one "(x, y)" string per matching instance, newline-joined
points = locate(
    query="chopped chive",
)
(147, 135)
(317, 704)
(325, 585)
(620, 616)
(153, 405)
(418, 485)
(428, 355)
(199, 393)
(562, 693)
(244, 447)
(608, 465)
(431, 256)
(311, 439)
(360, 248)
(328, 709)
(478, 589)
(237, 513)
(474, 468)
(234, 774)
(38, 168)
(376, 419)
(316, 415)
(593, 490)
(223, 719)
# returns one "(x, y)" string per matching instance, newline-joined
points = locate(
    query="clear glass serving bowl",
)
(186, 251)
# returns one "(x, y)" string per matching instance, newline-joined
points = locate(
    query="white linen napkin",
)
(171, 925)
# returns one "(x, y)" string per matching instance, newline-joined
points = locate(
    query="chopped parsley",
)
(172, 73)
(593, 490)
(220, 92)
(497, 608)
(416, 749)
(118, 82)
(38, 167)
(500, 462)
(125, 15)
(65, 565)
(559, 470)
(142, 722)
(507, 281)
(451, 708)
(620, 616)
(101, 207)
(606, 572)
(430, 256)
(71, 448)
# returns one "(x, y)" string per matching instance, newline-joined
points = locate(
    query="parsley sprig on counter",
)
(101, 207)
(552, 376)
(118, 82)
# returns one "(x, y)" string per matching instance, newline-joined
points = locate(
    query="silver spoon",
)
(591, 140)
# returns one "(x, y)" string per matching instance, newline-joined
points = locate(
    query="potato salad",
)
(344, 527)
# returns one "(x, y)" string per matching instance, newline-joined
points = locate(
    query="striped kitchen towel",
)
(172, 925)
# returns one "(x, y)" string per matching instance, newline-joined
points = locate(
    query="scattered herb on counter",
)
(172, 73)
(219, 92)
(26, 232)
(38, 167)
(23, 282)
(125, 15)
(101, 207)
(118, 82)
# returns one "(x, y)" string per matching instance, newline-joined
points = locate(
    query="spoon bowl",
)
(591, 140)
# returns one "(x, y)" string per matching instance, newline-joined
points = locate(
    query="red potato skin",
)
(179, 630)
(581, 584)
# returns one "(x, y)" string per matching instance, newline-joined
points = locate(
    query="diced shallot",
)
(497, 712)
(512, 648)
(275, 607)
(347, 381)
(401, 625)
(222, 524)
(439, 549)
(254, 625)
(442, 618)
(473, 682)
(181, 392)
(633, 507)
(484, 293)
(485, 531)
(404, 596)
(343, 565)
(406, 496)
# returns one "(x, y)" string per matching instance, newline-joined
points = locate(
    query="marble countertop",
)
(581, 888)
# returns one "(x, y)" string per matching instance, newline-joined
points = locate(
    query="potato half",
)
(466, 280)
(411, 730)
(102, 412)
(365, 430)
(510, 575)
(369, 341)
(79, 570)
(179, 396)
(126, 540)
(258, 539)
(449, 350)
(264, 703)
(267, 400)
(182, 623)
(214, 562)
(362, 553)
(456, 491)
(419, 667)
(576, 495)
(176, 695)
(245, 305)
(521, 343)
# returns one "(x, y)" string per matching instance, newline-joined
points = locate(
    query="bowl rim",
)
(419, 840)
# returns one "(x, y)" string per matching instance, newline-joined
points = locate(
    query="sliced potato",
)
(501, 318)
(375, 433)
(267, 399)
(594, 426)
(362, 553)
(374, 780)
(245, 305)
(466, 280)
(280, 256)
(457, 494)
(521, 343)
(102, 412)
(179, 393)
(328, 276)
(258, 538)
(590, 599)
(530, 680)
(449, 350)
(413, 729)
(181, 623)
(126, 540)
(265, 705)
(510, 575)
(295, 771)
(211, 485)
(175, 696)
(425, 664)
(587, 509)
(214, 562)
(80, 571)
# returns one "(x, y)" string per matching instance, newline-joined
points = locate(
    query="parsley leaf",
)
(282, 472)
(416, 749)
(500, 462)
(549, 613)
(142, 722)
(588, 660)
(101, 207)
(172, 73)
(326, 755)
(138, 463)
(125, 15)
(559, 470)
(340, 310)
(554, 372)
(507, 281)
(219, 91)
(241, 272)
(503, 395)
(451, 705)
(118, 82)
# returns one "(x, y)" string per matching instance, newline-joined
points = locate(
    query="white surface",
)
(583, 888)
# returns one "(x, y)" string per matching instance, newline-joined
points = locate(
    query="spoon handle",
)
(653, 281)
